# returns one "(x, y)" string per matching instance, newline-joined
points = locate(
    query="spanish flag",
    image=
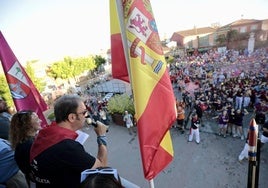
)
(118, 60)
(152, 90)
(24, 93)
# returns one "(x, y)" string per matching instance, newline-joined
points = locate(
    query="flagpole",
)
(151, 183)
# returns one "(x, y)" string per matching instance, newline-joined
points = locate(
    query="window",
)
(243, 29)
(253, 27)
(204, 41)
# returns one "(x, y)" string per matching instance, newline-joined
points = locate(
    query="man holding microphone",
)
(57, 160)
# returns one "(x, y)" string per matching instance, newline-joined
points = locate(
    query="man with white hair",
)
(128, 119)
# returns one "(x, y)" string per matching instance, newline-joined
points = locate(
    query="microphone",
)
(95, 124)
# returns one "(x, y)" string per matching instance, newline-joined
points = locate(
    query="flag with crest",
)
(152, 90)
(24, 93)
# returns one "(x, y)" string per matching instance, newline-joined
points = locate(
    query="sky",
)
(49, 30)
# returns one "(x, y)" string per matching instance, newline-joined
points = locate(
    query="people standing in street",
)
(56, 158)
(231, 128)
(128, 119)
(24, 127)
(223, 120)
(244, 153)
(194, 130)
(239, 116)
(198, 110)
(238, 99)
(103, 117)
(96, 116)
(187, 99)
(180, 118)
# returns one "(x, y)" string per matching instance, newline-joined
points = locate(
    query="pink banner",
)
(24, 93)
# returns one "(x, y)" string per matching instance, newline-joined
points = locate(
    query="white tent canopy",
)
(112, 86)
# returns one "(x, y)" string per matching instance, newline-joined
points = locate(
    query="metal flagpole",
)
(258, 163)
(151, 183)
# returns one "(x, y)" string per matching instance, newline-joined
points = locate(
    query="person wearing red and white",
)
(194, 130)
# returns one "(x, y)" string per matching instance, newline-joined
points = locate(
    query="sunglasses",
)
(24, 112)
(84, 112)
(109, 171)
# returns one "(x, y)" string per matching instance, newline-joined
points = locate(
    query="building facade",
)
(233, 36)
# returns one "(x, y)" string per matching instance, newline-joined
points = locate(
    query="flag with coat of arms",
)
(154, 100)
(24, 93)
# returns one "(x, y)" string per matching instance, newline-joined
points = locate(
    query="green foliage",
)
(232, 35)
(38, 83)
(71, 67)
(120, 103)
(169, 59)
(67, 68)
(221, 39)
(4, 91)
(99, 60)
(51, 117)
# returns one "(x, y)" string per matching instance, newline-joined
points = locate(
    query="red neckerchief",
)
(50, 136)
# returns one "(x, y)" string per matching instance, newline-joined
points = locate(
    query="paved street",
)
(211, 164)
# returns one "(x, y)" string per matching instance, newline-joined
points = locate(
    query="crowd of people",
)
(220, 86)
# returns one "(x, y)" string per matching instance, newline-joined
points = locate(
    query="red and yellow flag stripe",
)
(153, 93)
(119, 66)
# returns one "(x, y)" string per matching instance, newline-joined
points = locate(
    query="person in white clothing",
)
(244, 152)
(128, 119)
(194, 130)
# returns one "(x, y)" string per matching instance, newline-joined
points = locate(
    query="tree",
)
(232, 35)
(221, 39)
(71, 67)
(169, 59)
(4, 91)
(119, 103)
(38, 83)
(99, 60)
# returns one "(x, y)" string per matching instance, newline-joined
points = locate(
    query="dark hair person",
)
(101, 177)
(24, 127)
(56, 158)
